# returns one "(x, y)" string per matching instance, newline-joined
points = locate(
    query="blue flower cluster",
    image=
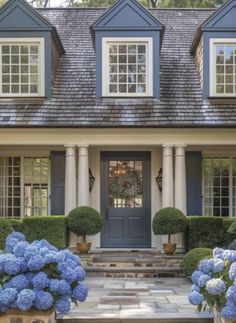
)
(212, 278)
(38, 276)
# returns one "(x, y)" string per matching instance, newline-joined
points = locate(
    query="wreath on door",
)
(129, 184)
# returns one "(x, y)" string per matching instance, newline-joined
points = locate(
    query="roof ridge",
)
(105, 8)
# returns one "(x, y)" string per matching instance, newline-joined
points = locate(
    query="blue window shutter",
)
(57, 183)
(194, 182)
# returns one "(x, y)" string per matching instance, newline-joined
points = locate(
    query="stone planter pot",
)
(28, 317)
(219, 319)
(84, 247)
(169, 248)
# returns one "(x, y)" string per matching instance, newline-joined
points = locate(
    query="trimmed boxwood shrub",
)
(16, 224)
(5, 229)
(169, 221)
(192, 258)
(229, 232)
(84, 221)
(205, 232)
(51, 228)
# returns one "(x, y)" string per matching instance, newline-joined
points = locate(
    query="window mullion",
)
(22, 187)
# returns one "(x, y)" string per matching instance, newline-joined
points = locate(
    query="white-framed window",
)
(219, 186)
(24, 186)
(223, 67)
(127, 67)
(22, 67)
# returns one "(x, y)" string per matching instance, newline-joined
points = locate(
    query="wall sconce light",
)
(159, 180)
(91, 180)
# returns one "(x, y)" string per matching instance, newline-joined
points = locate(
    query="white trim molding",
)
(148, 42)
(212, 67)
(40, 42)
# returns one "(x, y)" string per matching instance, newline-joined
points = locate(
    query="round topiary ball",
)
(84, 221)
(5, 229)
(192, 259)
(169, 221)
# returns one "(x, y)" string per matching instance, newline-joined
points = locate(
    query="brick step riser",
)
(179, 320)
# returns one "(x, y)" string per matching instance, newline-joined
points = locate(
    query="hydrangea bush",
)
(214, 283)
(38, 276)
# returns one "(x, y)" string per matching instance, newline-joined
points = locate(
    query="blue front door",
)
(126, 199)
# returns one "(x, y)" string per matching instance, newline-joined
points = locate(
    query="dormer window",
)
(127, 67)
(223, 67)
(22, 67)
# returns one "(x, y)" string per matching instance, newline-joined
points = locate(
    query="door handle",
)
(107, 214)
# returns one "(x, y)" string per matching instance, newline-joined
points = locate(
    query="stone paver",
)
(121, 299)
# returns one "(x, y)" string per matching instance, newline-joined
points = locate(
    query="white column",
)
(180, 178)
(167, 177)
(70, 179)
(83, 180)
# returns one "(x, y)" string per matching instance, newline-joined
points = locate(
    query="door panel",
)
(125, 187)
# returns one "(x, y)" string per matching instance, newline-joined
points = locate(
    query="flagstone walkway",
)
(136, 300)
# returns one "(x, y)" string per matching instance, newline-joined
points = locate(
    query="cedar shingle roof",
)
(73, 102)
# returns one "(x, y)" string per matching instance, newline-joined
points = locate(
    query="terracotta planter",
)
(169, 248)
(83, 247)
(219, 319)
(30, 316)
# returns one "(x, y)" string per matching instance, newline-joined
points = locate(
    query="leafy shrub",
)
(192, 258)
(5, 229)
(232, 245)
(229, 232)
(84, 221)
(169, 221)
(51, 228)
(17, 224)
(204, 232)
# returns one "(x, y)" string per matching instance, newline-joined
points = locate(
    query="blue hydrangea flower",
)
(229, 312)
(195, 276)
(16, 235)
(229, 255)
(203, 266)
(71, 263)
(43, 300)
(211, 263)
(81, 273)
(3, 308)
(195, 288)
(215, 286)
(19, 248)
(80, 292)
(29, 276)
(25, 299)
(19, 282)
(23, 264)
(12, 266)
(30, 252)
(54, 285)
(50, 258)
(63, 305)
(62, 266)
(69, 275)
(203, 280)
(195, 298)
(231, 294)
(36, 263)
(232, 271)
(40, 281)
(10, 244)
(44, 251)
(218, 253)
(218, 266)
(64, 288)
(8, 296)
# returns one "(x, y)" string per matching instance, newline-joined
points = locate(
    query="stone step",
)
(160, 319)
(135, 259)
(136, 271)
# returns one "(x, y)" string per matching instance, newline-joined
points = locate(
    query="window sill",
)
(222, 99)
(129, 100)
(22, 100)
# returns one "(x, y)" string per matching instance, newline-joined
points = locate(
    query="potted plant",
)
(84, 221)
(214, 285)
(169, 221)
(36, 279)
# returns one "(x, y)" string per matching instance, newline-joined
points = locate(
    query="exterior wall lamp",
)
(91, 180)
(159, 180)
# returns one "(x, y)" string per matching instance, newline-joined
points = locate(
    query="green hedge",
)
(16, 224)
(227, 237)
(51, 228)
(5, 229)
(205, 232)
(193, 257)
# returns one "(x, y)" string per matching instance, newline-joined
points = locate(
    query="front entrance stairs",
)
(132, 264)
